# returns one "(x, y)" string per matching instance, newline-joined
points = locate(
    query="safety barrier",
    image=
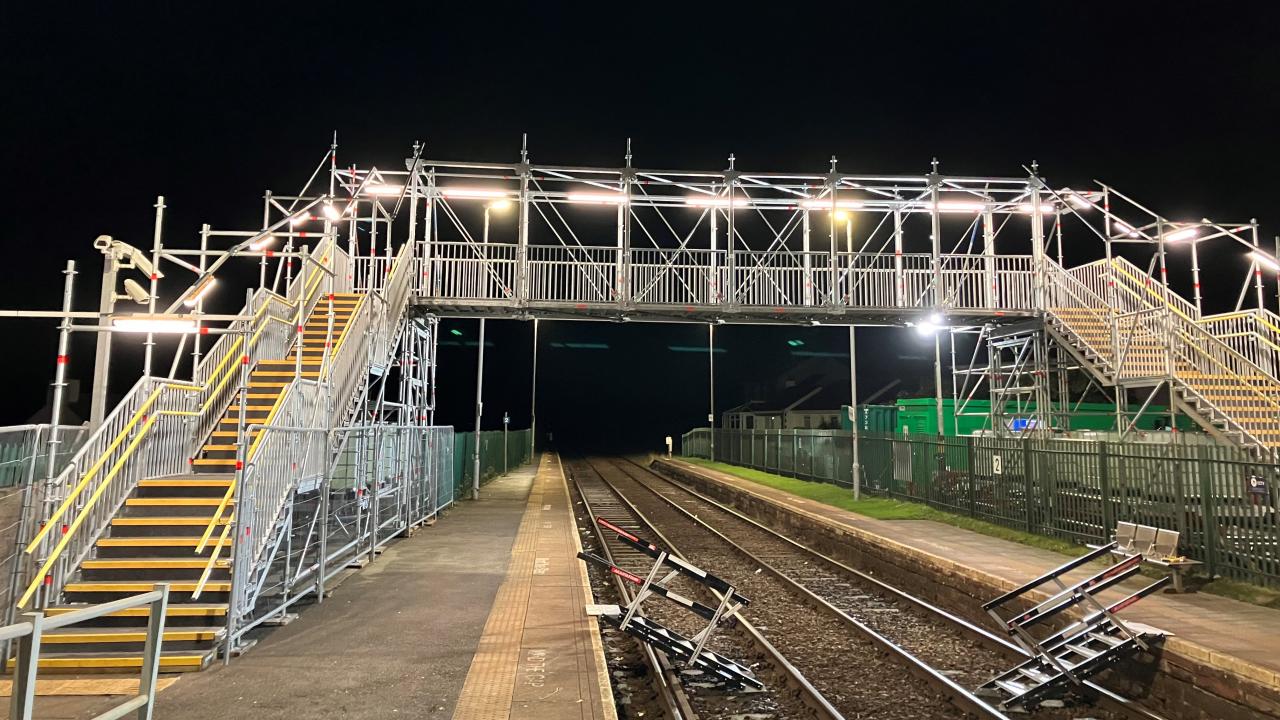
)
(1224, 502)
(499, 452)
(381, 480)
(30, 636)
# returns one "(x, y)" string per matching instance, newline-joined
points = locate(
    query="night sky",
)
(1176, 103)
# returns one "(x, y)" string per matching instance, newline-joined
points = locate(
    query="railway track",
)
(695, 695)
(843, 660)
(948, 644)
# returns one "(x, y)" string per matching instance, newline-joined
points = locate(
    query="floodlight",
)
(383, 189)
(200, 289)
(1123, 229)
(820, 204)
(1079, 200)
(135, 292)
(299, 218)
(149, 323)
(263, 242)
(463, 192)
(1265, 260)
(598, 198)
(1183, 234)
(715, 201)
(331, 212)
(1028, 208)
(960, 206)
(499, 205)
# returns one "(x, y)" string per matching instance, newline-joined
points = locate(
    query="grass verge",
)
(891, 509)
(888, 508)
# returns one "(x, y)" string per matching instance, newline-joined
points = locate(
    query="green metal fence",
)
(1221, 500)
(497, 455)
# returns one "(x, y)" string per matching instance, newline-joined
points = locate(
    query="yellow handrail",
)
(213, 557)
(149, 422)
(102, 459)
(84, 512)
(1153, 293)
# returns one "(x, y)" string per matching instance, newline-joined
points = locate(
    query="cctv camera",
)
(135, 292)
(135, 257)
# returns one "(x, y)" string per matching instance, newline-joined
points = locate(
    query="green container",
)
(918, 416)
(871, 418)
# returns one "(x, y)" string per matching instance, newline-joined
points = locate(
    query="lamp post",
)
(498, 205)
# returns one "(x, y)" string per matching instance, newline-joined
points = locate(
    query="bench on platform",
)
(1156, 546)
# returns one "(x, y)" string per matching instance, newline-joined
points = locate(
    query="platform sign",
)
(997, 465)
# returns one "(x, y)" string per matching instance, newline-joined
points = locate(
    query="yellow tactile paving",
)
(540, 655)
(86, 686)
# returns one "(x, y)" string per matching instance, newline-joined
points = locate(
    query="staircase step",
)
(89, 640)
(163, 526)
(176, 615)
(157, 546)
(107, 662)
(95, 591)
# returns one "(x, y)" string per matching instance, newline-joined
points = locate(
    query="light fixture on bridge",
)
(1044, 208)
(300, 218)
(464, 192)
(820, 204)
(498, 205)
(1265, 260)
(1122, 228)
(1183, 234)
(931, 324)
(1078, 200)
(600, 198)
(331, 212)
(716, 201)
(262, 243)
(201, 289)
(151, 323)
(383, 189)
(960, 206)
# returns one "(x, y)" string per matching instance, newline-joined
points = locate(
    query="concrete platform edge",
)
(1212, 659)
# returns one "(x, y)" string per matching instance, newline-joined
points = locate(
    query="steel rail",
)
(1111, 700)
(955, 694)
(809, 694)
(670, 693)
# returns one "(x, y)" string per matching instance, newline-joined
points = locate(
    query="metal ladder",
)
(1063, 660)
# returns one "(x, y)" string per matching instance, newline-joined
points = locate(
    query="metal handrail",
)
(30, 634)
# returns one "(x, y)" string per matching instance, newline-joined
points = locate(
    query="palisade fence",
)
(492, 449)
(1222, 500)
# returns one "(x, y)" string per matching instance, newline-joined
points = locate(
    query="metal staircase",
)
(156, 492)
(1132, 331)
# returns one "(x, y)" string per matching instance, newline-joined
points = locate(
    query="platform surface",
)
(540, 656)
(1228, 634)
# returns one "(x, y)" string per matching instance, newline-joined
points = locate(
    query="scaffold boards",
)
(691, 651)
(1064, 659)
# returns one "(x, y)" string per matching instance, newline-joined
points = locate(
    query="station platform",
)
(478, 616)
(540, 656)
(1227, 636)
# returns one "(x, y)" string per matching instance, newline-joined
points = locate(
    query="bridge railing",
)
(602, 275)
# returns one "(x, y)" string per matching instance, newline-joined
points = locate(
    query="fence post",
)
(795, 455)
(973, 505)
(22, 697)
(1207, 518)
(151, 651)
(1104, 487)
(1028, 467)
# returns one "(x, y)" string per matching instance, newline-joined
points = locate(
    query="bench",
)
(1156, 546)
